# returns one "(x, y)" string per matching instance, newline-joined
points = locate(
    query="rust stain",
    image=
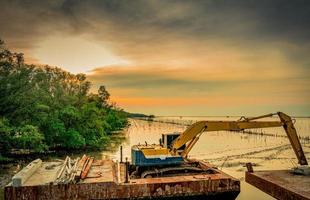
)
(119, 191)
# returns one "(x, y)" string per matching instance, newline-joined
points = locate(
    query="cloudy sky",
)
(208, 57)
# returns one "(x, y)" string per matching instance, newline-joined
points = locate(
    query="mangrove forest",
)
(46, 108)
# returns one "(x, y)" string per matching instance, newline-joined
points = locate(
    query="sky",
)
(194, 58)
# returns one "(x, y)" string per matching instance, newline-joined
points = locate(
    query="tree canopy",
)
(43, 107)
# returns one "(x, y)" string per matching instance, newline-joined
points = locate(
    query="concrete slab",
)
(22, 176)
(46, 174)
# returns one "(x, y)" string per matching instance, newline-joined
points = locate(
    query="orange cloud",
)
(216, 101)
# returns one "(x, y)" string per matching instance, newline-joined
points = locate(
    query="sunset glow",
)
(167, 58)
(75, 54)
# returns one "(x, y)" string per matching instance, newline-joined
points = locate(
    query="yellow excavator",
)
(170, 156)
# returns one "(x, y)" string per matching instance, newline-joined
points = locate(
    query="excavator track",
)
(172, 170)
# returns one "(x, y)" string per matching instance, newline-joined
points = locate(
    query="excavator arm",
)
(191, 135)
(290, 130)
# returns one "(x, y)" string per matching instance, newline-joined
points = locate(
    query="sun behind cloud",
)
(75, 54)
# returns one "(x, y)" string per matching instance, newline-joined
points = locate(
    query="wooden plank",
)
(87, 168)
(62, 168)
(80, 166)
(74, 170)
(84, 166)
(21, 177)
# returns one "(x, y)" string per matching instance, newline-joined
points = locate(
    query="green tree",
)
(5, 136)
(72, 139)
(104, 95)
(46, 107)
(70, 116)
(29, 137)
(54, 129)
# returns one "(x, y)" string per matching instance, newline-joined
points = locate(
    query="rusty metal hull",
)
(197, 190)
(111, 186)
(280, 184)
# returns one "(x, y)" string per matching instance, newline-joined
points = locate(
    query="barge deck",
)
(107, 179)
(281, 184)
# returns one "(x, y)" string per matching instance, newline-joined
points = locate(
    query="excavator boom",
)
(290, 130)
(202, 126)
(175, 147)
(191, 135)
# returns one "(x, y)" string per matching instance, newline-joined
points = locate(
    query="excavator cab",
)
(157, 154)
(153, 155)
(168, 138)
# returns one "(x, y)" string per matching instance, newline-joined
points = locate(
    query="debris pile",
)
(67, 172)
(73, 170)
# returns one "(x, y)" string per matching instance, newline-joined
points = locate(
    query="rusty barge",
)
(280, 184)
(107, 179)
